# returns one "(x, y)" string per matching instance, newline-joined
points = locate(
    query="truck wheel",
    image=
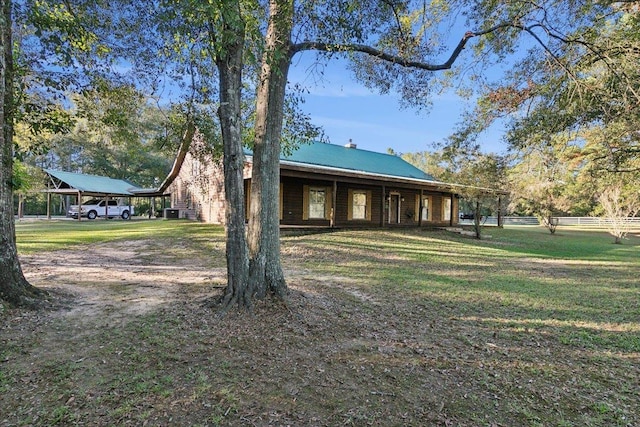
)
(125, 215)
(92, 214)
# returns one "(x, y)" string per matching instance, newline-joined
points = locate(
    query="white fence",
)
(589, 221)
(584, 221)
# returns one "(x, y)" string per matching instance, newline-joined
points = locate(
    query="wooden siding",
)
(198, 192)
(343, 205)
(293, 199)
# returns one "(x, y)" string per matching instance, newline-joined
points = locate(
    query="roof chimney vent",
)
(350, 144)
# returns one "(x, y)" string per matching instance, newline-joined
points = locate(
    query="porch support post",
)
(382, 202)
(48, 205)
(451, 211)
(334, 198)
(420, 207)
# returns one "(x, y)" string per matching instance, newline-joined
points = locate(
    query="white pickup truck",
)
(95, 208)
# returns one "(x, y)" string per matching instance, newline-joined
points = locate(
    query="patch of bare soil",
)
(133, 342)
(117, 280)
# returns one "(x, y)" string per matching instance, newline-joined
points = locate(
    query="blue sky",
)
(348, 110)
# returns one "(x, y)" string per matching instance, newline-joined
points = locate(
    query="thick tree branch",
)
(394, 59)
(185, 143)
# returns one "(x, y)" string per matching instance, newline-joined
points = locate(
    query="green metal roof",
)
(353, 159)
(93, 183)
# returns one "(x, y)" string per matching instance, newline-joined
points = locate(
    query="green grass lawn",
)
(38, 236)
(521, 272)
(383, 327)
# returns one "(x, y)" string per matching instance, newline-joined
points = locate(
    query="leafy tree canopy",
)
(579, 82)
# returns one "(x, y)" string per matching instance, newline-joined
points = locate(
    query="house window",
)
(359, 205)
(195, 168)
(446, 208)
(426, 209)
(317, 203)
(188, 198)
(359, 201)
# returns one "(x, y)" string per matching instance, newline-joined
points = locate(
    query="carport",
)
(83, 185)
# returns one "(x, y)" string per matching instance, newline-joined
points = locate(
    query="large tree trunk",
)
(265, 271)
(14, 288)
(229, 66)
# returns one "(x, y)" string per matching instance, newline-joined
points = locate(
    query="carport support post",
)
(79, 206)
(48, 205)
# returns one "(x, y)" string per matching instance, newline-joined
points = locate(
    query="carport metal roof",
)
(90, 185)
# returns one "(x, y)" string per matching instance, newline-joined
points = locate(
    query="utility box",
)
(171, 213)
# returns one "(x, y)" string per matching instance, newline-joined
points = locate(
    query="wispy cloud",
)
(339, 90)
(327, 79)
(348, 124)
(375, 136)
(332, 86)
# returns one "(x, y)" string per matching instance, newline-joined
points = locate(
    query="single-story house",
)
(325, 185)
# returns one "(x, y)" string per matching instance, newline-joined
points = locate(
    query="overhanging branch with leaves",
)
(394, 59)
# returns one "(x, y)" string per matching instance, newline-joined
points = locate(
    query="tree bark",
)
(476, 220)
(265, 270)
(14, 288)
(229, 64)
